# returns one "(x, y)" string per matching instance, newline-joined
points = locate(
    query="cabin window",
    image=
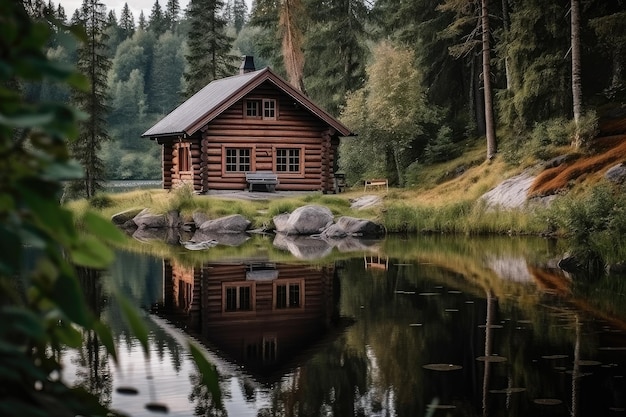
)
(238, 297)
(237, 159)
(264, 349)
(184, 157)
(288, 160)
(288, 294)
(269, 109)
(253, 108)
(260, 109)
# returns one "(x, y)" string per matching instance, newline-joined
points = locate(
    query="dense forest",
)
(415, 79)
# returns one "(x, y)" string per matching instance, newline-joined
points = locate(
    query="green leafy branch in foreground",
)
(45, 311)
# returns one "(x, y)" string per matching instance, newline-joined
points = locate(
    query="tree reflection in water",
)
(357, 340)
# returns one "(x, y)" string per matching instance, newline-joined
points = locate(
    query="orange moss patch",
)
(609, 150)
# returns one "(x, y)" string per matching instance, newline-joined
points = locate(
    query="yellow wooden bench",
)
(376, 182)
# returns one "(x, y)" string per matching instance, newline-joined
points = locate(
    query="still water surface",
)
(457, 326)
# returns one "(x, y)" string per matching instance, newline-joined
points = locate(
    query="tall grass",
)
(465, 217)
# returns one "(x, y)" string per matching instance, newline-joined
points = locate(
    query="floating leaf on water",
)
(559, 368)
(554, 356)
(612, 348)
(157, 408)
(584, 362)
(547, 401)
(512, 390)
(454, 292)
(451, 310)
(429, 293)
(617, 409)
(491, 358)
(415, 324)
(490, 326)
(524, 321)
(469, 302)
(127, 390)
(442, 367)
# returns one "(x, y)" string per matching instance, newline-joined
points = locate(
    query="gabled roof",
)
(219, 95)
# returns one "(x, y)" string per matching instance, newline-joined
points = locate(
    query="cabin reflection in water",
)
(264, 316)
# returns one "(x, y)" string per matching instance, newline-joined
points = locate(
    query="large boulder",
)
(352, 226)
(511, 193)
(145, 219)
(616, 174)
(123, 217)
(306, 220)
(302, 247)
(234, 223)
(225, 239)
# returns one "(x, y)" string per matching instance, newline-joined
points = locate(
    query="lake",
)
(450, 326)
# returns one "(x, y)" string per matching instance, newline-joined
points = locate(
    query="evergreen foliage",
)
(157, 21)
(335, 50)
(127, 21)
(94, 63)
(209, 55)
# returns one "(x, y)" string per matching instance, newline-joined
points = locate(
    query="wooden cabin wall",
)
(294, 128)
(316, 288)
(168, 164)
(235, 332)
(172, 175)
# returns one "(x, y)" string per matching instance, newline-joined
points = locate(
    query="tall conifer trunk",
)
(490, 130)
(577, 93)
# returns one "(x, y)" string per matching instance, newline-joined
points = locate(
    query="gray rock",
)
(124, 216)
(147, 220)
(365, 202)
(305, 220)
(225, 239)
(234, 223)
(302, 247)
(511, 193)
(360, 227)
(174, 221)
(199, 218)
(616, 174)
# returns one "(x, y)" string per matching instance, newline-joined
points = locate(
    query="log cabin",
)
(251, 122)
(258, 314)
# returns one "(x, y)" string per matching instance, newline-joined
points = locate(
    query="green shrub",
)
(101, 201)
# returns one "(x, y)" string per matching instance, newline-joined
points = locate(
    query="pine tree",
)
(209, 47)
(240, 11)
(156, 22)
(94, 64)
(172, 14)
(127, 21)
(336, 51)
(142, 24)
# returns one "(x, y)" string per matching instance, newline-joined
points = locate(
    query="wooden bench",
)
(266, 178)
(377, 182)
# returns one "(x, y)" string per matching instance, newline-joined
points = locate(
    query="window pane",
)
(269, 109)
(231, 299)
(281, 296)
(294, 295)
(288, 160)
(244, 298)
(281, 160)
(252, 108)
(237, 160)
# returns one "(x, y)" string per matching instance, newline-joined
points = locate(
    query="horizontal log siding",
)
(294, 128)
